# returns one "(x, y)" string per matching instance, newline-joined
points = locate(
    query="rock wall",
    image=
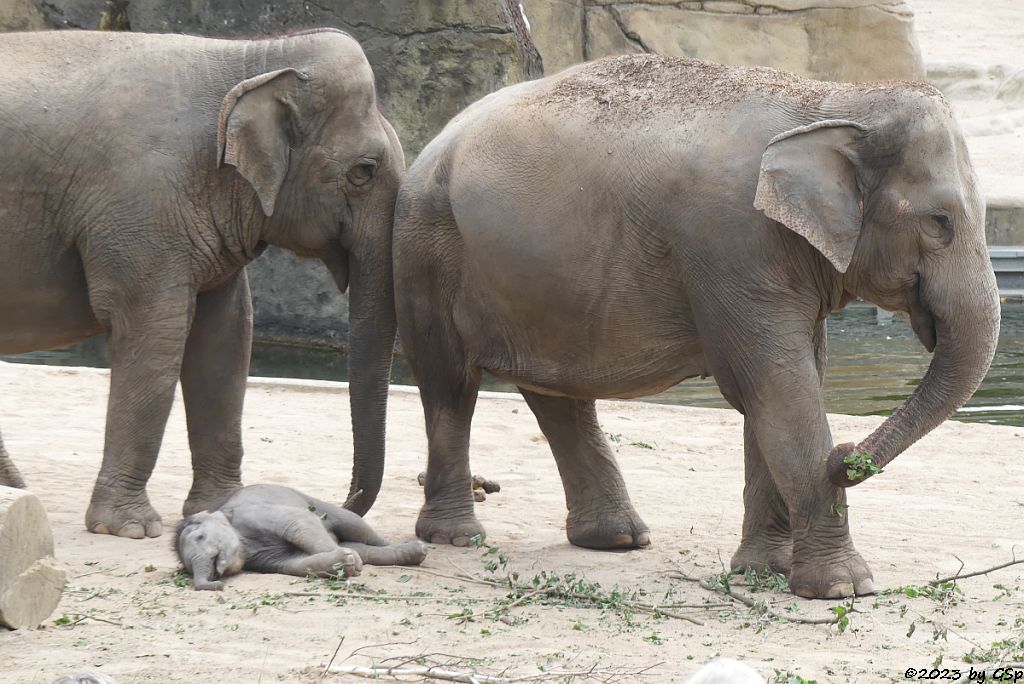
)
(431, 59)
(20, 15)
(843, 40)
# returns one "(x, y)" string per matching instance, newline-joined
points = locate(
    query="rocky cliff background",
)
(434, 57)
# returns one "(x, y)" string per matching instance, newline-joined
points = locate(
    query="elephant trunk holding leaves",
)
(632, 222)
(142, 173)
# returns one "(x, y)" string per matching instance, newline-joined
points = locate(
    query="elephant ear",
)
(808, 183)
(254, 131)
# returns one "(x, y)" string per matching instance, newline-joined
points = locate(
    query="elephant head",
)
(209, 548)
(325, 166)
(888, 195)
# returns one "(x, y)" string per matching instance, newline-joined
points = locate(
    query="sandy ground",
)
(958, 493)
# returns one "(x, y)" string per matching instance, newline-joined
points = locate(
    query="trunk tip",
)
(359, 502)
(849, 465)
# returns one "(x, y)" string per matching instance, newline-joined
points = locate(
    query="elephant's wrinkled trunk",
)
(371, 342)
(965, 338)
(203, 574)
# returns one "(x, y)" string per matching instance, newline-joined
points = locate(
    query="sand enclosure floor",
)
(959, 492)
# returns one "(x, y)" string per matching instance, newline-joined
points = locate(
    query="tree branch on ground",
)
(726, 589)
(958, 576)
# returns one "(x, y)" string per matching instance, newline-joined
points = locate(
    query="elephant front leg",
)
(147, 339)
(9, 474)
(767, 541)
(340, 561)
(792, 432)
(601, 516)
(213, 378)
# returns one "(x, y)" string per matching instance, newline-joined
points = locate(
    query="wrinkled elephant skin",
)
(632, 222)
(270, 528)
(141, 174)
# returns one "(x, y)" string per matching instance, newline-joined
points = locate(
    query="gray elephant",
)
(270, 528)
(141, 174)
(629, 223)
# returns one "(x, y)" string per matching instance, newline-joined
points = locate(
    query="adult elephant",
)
(636, 221)
(141, 174)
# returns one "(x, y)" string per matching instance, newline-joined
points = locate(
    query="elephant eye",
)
(363, 172)
(944, 233)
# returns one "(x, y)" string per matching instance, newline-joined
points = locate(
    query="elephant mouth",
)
(922, 322)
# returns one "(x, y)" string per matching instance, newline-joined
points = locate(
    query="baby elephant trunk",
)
(203, 574)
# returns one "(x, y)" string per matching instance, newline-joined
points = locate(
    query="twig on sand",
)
(415, 598)
(461, 577)
(333, 656)
(82, 617)
(958, 576)
(434, 672)
(762, 606)
(530, 592)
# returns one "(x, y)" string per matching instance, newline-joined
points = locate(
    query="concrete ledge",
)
(1004, 221)
(1008, 263)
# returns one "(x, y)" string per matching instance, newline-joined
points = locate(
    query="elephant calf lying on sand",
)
(270, 528)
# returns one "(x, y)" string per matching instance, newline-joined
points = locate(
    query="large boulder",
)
(843, 40)
(431, 59)
(20, 15)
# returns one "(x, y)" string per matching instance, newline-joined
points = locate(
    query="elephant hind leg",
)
(9, 474)
(426, 281)
(601, 516)
(407, 553)
(448, 516)
(346, 525)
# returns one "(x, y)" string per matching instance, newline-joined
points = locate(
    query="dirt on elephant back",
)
(626, 87)
(530, 604)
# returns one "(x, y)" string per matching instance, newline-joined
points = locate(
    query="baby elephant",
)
(270, 528)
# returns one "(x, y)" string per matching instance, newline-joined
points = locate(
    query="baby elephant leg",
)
(346, 525)
(408, 553)
(341, 561)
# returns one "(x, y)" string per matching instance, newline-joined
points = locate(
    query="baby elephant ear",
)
(808, 183)
(254, 129)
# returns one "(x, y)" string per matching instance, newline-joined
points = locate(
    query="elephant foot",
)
(608, 528)
(444, 528)
(207, 496)
(837, 577)
(134, 518)
(758, 556)
(347, 563)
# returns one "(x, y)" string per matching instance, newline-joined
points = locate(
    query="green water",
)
(873, 365)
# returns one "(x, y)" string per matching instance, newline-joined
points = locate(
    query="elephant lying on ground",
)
(270, 528)
(141, 174)
(635, 221)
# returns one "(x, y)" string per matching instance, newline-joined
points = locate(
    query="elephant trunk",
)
(964, 338)
(371, 343)
(203, 574)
